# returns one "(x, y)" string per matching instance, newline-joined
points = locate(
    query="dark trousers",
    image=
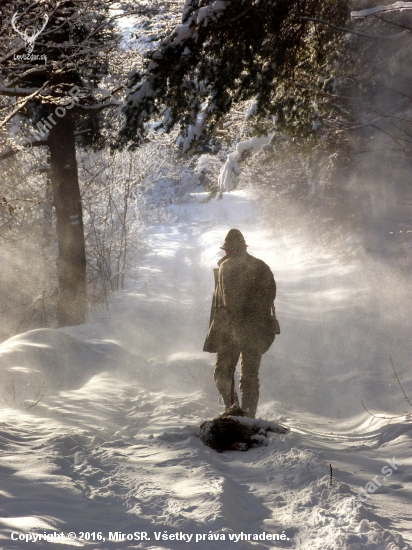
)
(226, 361)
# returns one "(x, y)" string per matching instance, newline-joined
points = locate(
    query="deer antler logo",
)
(29, 40)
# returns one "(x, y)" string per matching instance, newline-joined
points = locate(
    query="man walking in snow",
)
(241, 324)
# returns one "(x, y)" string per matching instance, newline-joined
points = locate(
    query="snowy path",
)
(113, 446)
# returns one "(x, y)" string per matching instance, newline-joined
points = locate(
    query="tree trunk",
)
(71, 263)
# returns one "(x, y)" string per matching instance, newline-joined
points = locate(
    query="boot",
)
(249, 404)
(234, 410)
(225, 399)
(225, 389)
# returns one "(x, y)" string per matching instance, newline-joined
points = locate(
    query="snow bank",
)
(113, 446)
(38, 362)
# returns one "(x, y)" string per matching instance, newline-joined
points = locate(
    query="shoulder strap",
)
(216, 274)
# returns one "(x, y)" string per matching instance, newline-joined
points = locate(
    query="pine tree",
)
(226, 52)
(50, 89)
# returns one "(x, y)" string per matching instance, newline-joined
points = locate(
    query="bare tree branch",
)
(21, 104)
(403, 391)
(400, 385)
(16, 92)
(380, 416)
(29, 144)
(351, 31)
(35, 71)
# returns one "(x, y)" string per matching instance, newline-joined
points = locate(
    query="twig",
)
(38, 396)
(21, 104)
(345, 29)
(393, 23)
(44, 309)
(400, 385)
(383, 417)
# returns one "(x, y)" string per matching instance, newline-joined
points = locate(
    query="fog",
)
(100, 421)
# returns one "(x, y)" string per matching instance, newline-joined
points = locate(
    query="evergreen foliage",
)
(226, 52)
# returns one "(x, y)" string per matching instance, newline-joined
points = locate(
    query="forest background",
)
(306, 104)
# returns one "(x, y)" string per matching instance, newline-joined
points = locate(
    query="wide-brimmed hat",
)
(233, 239)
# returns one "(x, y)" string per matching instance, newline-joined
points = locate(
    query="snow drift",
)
(112, 446)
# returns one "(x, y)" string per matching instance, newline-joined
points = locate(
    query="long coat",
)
(241, 309)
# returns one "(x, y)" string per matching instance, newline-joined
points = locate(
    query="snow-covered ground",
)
(113, 445)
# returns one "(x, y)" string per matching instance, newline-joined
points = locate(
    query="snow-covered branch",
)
(187, 76)
(397, 6)
(231, 168)
(97, 107)
(21, 104)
